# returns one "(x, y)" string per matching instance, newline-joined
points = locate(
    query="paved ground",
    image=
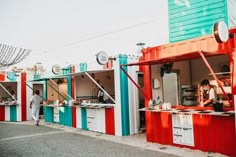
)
(21, 140)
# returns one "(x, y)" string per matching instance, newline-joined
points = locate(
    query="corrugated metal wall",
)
(193, 18)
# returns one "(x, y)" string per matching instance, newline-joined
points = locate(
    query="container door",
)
(170, 88)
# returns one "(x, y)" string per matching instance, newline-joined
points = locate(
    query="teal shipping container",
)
(194, 18)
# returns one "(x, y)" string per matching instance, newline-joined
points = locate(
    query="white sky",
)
(73, 31)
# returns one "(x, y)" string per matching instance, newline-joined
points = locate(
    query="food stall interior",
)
(5, 91)
(87, 85)
(180, 85)
(57, 89)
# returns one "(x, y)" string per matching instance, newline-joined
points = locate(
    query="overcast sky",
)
(73, 31)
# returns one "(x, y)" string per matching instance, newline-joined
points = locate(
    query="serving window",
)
(180, 84)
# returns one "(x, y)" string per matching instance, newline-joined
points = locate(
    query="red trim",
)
(148, 91)
(110, 121)
(233, 69)
(2, 113)
(23, 96)
(73, 83)
(109, 65)
(2, 77)
(74, 117)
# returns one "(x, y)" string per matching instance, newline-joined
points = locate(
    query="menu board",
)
(182, 124)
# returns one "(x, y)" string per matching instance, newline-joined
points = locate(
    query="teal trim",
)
(194, 18)
(11, 76)
(69, 85)
(69, 116)
(124, 97)
(65, 116)
(48, 114)
(226, 13)
(45, 90)
(83, 67)
(13, 114)
(84, 118)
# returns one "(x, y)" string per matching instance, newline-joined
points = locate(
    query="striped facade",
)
(18, 112)
(120, 120)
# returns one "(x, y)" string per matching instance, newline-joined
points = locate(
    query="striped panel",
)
(124, 98)
(48, 114)
(73, 83)
(84, 118)
(2, 113)
(13, 113)
(110, 121)
(69, 85)
(74, 116)
(133, 96)
(29, 92)
(100, 120)
(18, 108)
(7, 113)
(118, 123)
(190, 19)
(65, 115)
(68, 116)
(78, 117)
(23, 97)
(2, 76)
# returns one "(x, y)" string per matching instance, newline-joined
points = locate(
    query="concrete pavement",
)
(25, 139)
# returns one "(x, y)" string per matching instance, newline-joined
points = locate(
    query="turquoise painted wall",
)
(124, 97)
(13, 113)
(84, 118)
(48, 114)
(190, 19)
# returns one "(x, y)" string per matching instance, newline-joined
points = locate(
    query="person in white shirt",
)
(100, 95)
(35, 102)
(209, 93)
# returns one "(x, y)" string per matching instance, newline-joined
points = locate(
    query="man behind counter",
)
(207, 93)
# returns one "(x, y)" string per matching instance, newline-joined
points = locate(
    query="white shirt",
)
(36, 100)
(212, 94)
(100, 93)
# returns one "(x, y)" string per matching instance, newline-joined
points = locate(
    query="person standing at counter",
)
(13, 95)
(207, 94)
(100, 95)
(35, 102)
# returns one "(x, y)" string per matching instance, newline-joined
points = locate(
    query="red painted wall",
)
(148, 90)
(211, 133)
(74, 116)
(110, 121)
(23, 96)
(2, 113)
